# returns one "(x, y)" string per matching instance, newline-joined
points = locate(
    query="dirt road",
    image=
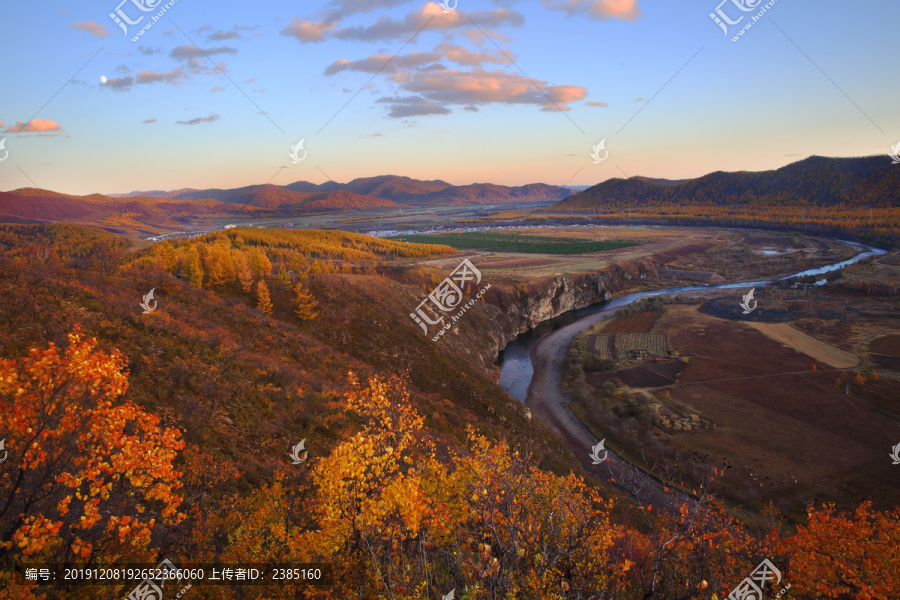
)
(548, 402)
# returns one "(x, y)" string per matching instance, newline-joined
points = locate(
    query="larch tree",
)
(300, 266)
(305, 303)
(263, 300)
(260, 264)
(243, 272)
(219, 265)
(193, 266)
(283, 276)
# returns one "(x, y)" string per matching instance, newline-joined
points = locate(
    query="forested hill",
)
(819, 181)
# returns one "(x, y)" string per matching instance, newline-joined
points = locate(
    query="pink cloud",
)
(95, 29)
(386, 28)
(626, 10)
(34, 126)
(441, 87)
(173, 76)
(307, 31)
(463, 56)
(600, 104)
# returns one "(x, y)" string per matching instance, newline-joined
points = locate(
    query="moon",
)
(103, 79)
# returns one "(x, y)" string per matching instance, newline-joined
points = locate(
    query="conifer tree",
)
(283, 277)
(244, 275)
(193, 269)
(263, 301)
(306, 304)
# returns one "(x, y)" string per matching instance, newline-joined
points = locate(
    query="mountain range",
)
(865, 182)
(385, 191)
(161, 211)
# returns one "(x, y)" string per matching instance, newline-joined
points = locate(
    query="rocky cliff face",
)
(524, 308)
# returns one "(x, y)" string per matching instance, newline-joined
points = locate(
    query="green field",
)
(515, 242)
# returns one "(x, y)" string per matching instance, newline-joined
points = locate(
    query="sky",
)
(218, 94)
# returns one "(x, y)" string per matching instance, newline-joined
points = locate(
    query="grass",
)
(516, 242)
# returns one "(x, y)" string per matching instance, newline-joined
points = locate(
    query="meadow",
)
(516, 242)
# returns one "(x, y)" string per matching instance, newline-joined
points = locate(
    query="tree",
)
(306, 303)
(300, 266)
(242, 269)
(838, 555)
(283, 277)
(106, 256)
(259, 263)
(85, 470)
(219, 265)
(263, 301)
(371, 500)
(165, 254)
(193, 269)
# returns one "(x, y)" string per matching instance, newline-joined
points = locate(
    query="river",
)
(540, 388)
(516, 368)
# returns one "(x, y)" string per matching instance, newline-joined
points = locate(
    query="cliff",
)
(511, 312)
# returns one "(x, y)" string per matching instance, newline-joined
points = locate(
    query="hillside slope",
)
(816, 181)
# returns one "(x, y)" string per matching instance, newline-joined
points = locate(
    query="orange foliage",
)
(263, 301)
(85, 470)
(847, 556)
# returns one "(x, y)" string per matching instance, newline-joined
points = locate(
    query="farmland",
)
(516, 242)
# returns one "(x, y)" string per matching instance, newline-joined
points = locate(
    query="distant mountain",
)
(145, 215)
(816, 181)
(393, 189)
(154, 194)
(123, 215)
(341, 200)
(488, 193)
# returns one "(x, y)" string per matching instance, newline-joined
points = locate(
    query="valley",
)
(543, 336)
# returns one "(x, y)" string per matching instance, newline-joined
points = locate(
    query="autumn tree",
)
(260, 265)
(219, 265)
(263, 301)
(105, 256)
(300, 266)
(305, 302)
(88, 475)
(520, 532)
(283, 277)
(192, 267)
(243, 272)
(372, 501)
(840, 555)
(165, 254)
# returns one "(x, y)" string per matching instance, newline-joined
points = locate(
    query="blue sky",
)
(669, 91)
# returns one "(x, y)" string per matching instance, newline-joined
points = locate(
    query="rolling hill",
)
(816, 181)
(397, 190)
(144, 214)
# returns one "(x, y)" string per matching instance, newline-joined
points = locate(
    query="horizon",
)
(218, 100)
(573, 187)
